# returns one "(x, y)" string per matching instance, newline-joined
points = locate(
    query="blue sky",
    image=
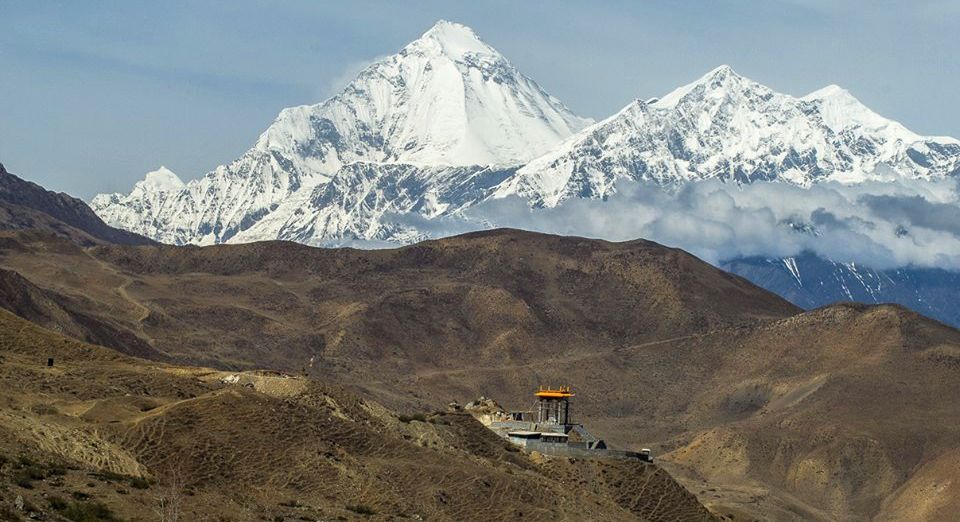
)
(93, 95)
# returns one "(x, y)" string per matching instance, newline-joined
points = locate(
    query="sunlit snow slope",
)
(728, 127)
(448, 123)
(445, 101)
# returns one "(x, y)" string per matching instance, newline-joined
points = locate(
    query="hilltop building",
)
(547, 428)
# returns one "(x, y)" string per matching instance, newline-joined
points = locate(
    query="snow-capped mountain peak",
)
(729, 127)
(841, 111)
(716, 83)
(161, 180)
(451, 39)
(828, 92)
(446, 100)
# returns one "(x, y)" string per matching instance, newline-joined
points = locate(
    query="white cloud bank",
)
(881, 225)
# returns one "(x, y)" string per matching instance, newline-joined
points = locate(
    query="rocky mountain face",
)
(810, 281)
(355, 203)
(447, 105)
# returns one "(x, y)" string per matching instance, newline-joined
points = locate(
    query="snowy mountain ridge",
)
(445, 100)
(728, 127)
(448, 123)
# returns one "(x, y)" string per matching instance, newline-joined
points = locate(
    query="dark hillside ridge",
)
(486, 296)
(26, 205)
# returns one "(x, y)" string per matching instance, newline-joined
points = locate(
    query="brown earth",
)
(843, 413)
(482, 299)
(106, 436)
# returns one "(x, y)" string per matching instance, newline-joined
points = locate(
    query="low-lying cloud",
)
(882, 224)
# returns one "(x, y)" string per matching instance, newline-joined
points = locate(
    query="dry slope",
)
(106, 435)
(478, 299)
(842, 413)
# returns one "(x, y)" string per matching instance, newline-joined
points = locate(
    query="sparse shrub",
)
(80, 495)
(57, 503)
(171, 491)
(24, 477)
(43, 409)
(139, 483)
(7, 513)
(29, 507)
(109, 476)
(361, 509)
(88, 512)
(419, 417)
(26, 470)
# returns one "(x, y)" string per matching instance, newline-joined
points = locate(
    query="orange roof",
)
(550, 393)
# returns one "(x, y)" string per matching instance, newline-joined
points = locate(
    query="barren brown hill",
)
(843, 413)
(485, 298)
(847, 412)
(101, 436)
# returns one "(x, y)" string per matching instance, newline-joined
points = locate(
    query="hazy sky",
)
(93, 95)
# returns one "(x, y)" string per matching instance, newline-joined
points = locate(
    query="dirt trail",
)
(121, 290)
(560, 360)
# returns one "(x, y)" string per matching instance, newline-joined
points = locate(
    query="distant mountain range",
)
(811, 281)
(449, 123)
(724, 126)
